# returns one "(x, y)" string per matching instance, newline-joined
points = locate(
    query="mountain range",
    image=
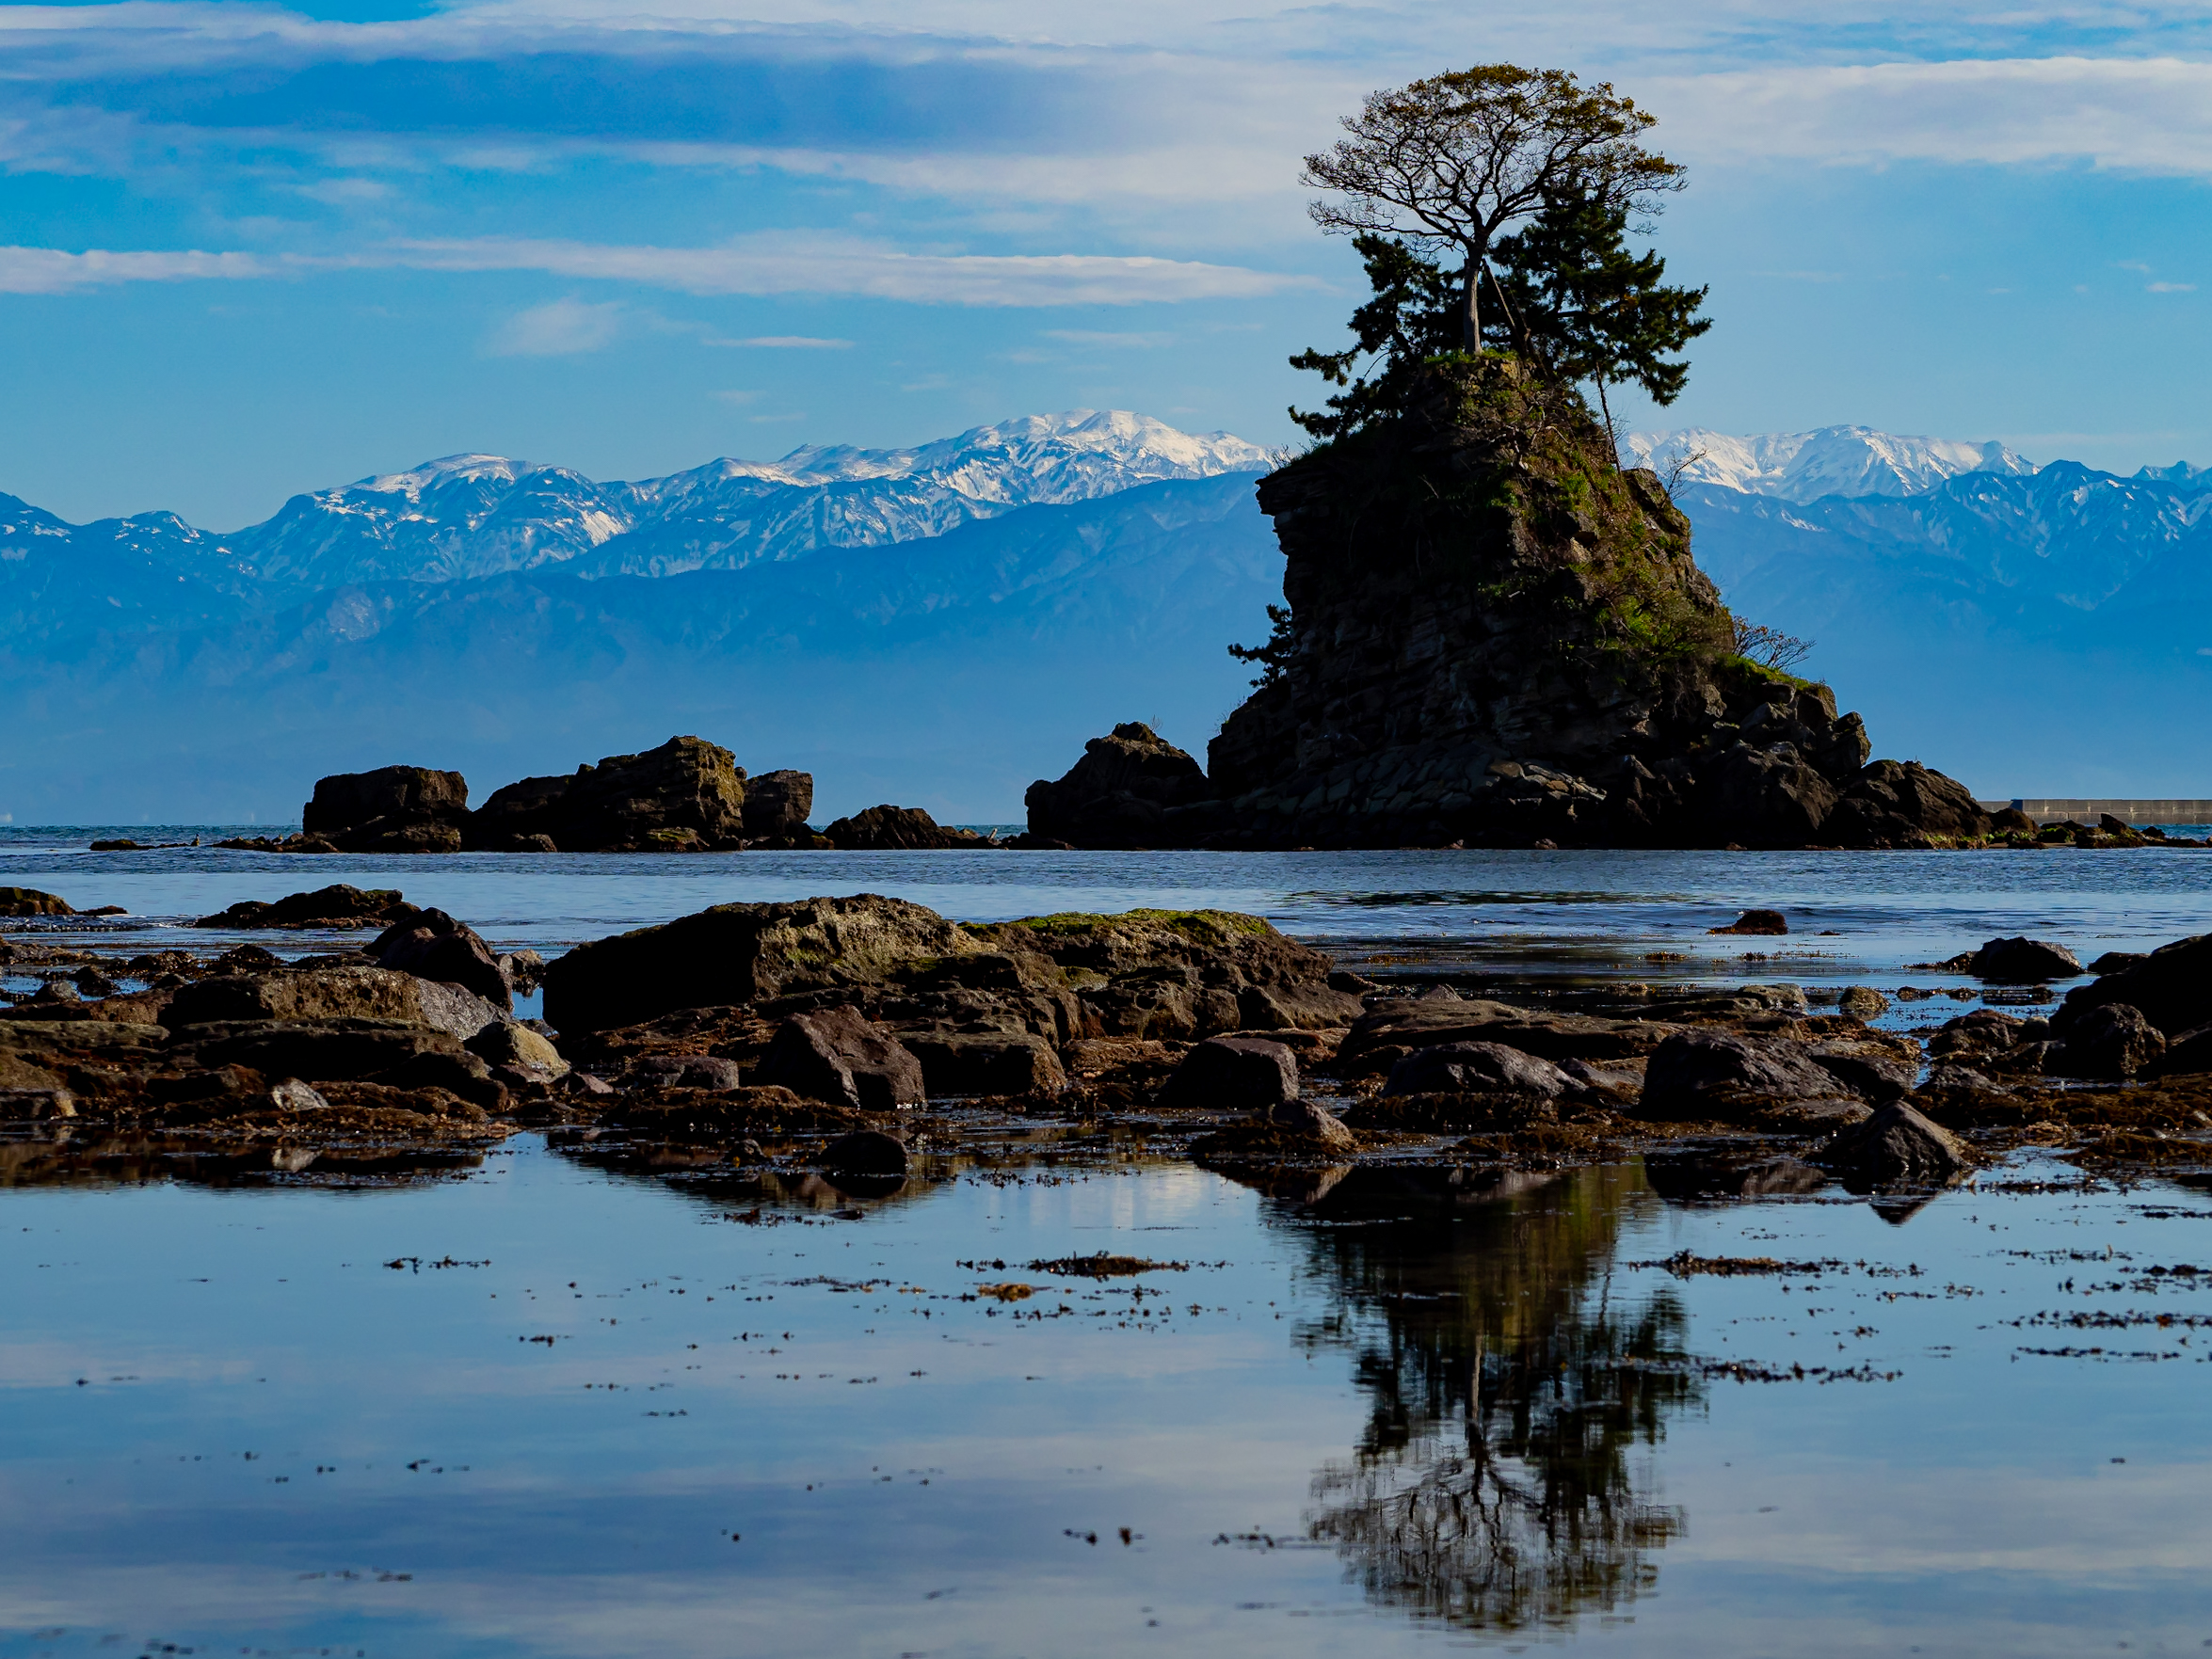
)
(937, 626)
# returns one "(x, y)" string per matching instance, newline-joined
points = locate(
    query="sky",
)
(248, 251)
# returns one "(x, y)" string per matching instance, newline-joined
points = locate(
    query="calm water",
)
(1634, 915)
(621, 1422)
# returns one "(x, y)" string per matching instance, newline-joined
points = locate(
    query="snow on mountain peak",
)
(445, 470)
(1805, 466)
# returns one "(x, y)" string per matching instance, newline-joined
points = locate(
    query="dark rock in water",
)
(247, 959)
(393, 810)
(2114, 962)
(1866, 1069)
(985, 1063)
(1119, 794)
(836, 1054)
(896, 829)
(1234, 1074)
(2111, 1041)
(1391, 1028)
(1680, 1176)
(2172, 986)
(685, 1071)
(1710, 1073)
(777, 804)
(329, 993)
(866, 1152)
(518, 1049)
(1896, 1144)
(2023, 962)
(2013, 821)
(1984, 1031)
(1755, 922)
(30, 901)
(56, 990)
(341, 905)
(1303, 1119)
(1486, 1066)
(1496, 636)
(741, 953)
(433, 945)
(687, 795)
(2189, 1054)
(1862, 1002)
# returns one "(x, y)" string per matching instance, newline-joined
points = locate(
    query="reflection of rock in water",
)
(1497, 1484)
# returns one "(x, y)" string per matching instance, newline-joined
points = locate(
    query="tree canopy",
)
(1448, 163)
(1434, 173)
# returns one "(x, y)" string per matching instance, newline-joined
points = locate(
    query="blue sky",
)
(249, 250)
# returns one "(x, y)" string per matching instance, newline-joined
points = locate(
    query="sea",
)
(557, 1400)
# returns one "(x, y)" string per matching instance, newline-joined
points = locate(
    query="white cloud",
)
(786, 343)
(54, 270)
(2170, 288)
(562, 328)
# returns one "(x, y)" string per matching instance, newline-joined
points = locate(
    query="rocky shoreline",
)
(853, 1038)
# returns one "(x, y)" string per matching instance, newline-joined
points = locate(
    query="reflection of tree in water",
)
(1496, 1484)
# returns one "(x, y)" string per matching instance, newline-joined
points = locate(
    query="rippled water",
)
(1609, 914)
(550, 1409)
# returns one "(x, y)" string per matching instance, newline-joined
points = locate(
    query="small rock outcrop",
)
(433, 945)
(392, 809)
(687, 795)
(2172, 986)
(2023, 962)
(1234, 1074)
(838, 1055)
(1896, 1145)
(30, 901)
(1119, 794)
(340, 905)
(896, 829)
(1495, 635)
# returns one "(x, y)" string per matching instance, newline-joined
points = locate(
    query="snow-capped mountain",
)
(1805, 466)
(471, 516)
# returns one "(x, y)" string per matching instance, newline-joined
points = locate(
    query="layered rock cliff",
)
(1496, 635)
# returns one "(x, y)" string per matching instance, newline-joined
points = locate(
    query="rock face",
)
(1480, 1067)
(777, 804)
(1119, 794)
(896, 829)
(2172, 986)
(30, 901)
(687, 795)
(393, 810)
(1496, 636)
(1235, 1074)
(433, 945)
(835, 1054)
(1897, 1145)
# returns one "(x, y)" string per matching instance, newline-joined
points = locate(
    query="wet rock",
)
(2172, 986)
(291, 1094)
(1307, 1006)
(2023, 960)
(1399, 1025)
(2111, 1041)
(327, 993)
(836, 1054)
(523, 970)
(1984, 1031)
(687, 795)
(896, 829)
(1755, 922)
(1872, 1071)
(318, 1051)
(1903, 804)
(866, 1152)
(2189, 1054)
(340, 905)
(35, 1105)
(1119, 794)
(31, 902)
(1896, 1144)
(685, 1071)
(737, 953)
(507, 1043)
(55, 991)
(1862, 1002)
(1234, 1074)
(1688, 1176)
(985, 1063)
(2114, 962)
(433, 945)
(1713, 1074)
(1305, 1120)
(392, 809)
(1479, 1066)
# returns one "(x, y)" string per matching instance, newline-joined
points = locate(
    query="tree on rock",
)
(1448, 163)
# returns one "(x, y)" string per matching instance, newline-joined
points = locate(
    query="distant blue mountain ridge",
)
(938, 626)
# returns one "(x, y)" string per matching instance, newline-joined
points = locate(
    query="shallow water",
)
(550, 1409)
(1605, 914)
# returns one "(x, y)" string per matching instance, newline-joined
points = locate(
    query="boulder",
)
(1460, 1067)
(1309, 1006)
(2172, 986)
(433, 945)
(1903, 804)
(333, 994)
(777, 804)
(1896, 1144)
(1984, 1031)
(737, 953)
(520, 1048)
(393, 810)
(1755, 922)
(835, 1054)
(1234, 1074)
(1303, 1119)
(896, 829)
(1862, 1002)
(1394, 1025)
(2023, 960)
(340, 905)
(1118, 794)
(866, 1152)
(1714, 1073)
(30, 901)
(2111, 1041)
(1870, 1070)
(2188, 1054)
(2013, 821)
(985, 1063)
(319, 1051)
(687, 795)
